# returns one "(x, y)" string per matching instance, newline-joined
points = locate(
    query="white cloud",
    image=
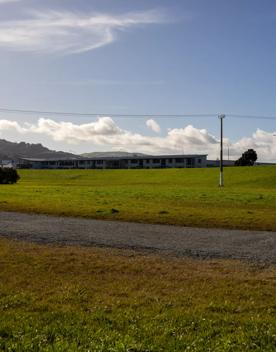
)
(6, 125)
(106, 133)
(263, 142)
(68, 32)
(153, 125)
(72, 133)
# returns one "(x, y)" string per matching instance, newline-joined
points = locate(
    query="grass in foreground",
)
(189, 197)
(69, 299)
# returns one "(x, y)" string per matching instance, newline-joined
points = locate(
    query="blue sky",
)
(142, 57)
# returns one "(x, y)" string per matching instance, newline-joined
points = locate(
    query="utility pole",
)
(228, 150)
(221, 179)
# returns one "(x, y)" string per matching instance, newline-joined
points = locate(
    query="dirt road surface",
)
(258, 246)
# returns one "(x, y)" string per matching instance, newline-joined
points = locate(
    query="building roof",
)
(119, 158)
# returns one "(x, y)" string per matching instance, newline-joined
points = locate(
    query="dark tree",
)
(8, 176)
(248, 158)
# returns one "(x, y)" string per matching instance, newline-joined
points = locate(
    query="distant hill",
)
(110, 154)
(14, 151)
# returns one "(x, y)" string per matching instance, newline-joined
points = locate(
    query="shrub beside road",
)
(8, 176)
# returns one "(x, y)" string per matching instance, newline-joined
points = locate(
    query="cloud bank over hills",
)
(106, 133)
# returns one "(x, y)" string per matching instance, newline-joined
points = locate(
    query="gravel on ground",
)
(258, 246)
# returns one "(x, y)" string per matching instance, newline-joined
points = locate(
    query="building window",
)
(133, 161)
(156, 161)
(179, 160)
(189, 161)
(67, 163)
(170, 161)
(199, 161)
(99, 162)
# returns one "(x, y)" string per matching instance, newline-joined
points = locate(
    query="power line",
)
(260, 117)
(63, 113)
(92, 114)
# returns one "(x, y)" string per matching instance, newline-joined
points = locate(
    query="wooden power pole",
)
(221, 178)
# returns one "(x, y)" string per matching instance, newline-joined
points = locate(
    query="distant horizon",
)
(225, 158)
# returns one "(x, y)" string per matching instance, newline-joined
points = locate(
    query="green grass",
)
(188, 197)
(69, 299)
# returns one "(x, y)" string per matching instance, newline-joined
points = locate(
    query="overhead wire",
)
(93, 114)
(252, 117)
(117, 115)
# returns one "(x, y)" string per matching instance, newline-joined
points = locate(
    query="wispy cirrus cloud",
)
(68, 32)
(106, 82)
(106, 133)
(8, 1)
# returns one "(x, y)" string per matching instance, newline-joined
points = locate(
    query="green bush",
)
(8, 176)
(248, 158)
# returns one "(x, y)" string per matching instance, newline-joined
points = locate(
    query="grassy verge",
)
(69, 299)
(188, 197)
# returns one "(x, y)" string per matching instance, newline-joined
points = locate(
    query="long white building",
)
(133, 162)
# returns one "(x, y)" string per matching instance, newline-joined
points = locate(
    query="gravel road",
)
(256, 246)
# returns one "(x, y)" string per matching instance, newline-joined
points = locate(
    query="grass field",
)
(88, 299)
(178, 196)
(81, 299)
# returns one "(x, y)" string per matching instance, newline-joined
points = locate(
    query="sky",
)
(146, 57)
